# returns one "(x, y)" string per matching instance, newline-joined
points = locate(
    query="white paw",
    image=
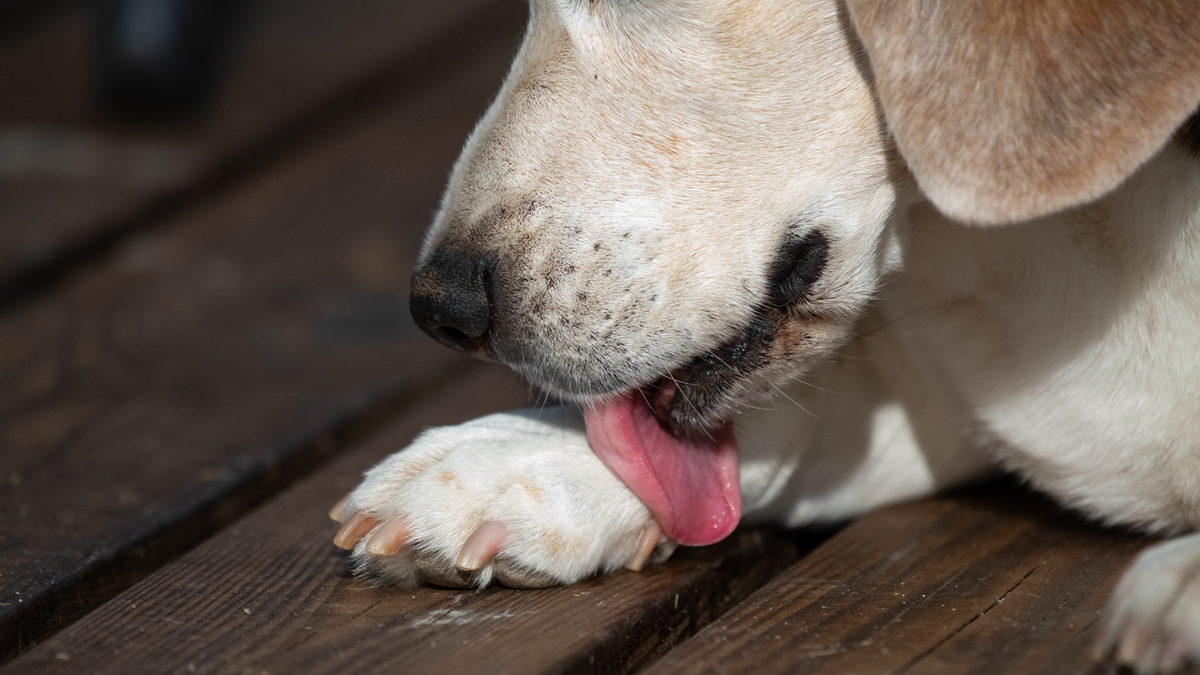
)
(1152, 623)
(517, 498)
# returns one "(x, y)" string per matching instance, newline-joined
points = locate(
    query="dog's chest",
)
(1072, 340)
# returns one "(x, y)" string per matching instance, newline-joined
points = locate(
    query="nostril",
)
(457, 338)
(451, 298)
(451, 334)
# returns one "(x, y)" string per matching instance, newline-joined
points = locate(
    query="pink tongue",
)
(690, 485)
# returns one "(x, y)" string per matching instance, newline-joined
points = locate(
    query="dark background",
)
(209, 213)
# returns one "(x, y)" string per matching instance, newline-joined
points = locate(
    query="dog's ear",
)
(1010, 109)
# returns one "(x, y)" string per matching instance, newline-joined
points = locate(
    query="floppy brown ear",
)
(1010, 109)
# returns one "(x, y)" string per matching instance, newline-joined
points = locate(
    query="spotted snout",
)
(528, 314)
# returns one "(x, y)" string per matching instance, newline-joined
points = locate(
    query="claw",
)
(483, 545)
(645, 547)
(338, 512)
(1133, 646)
(1175, 655)
(388, 538)
(355, 528)
(1102, 644)
(1113, 627)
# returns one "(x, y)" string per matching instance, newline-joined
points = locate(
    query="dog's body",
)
(720, 226)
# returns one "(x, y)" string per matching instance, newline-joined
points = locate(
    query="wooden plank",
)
(956, 585)
(171, 386)
(272, 594)
(73, 178)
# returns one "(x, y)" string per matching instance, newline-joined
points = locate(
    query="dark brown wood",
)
(272, 594)
(1000, 584)
(174, 384)
(73, 178)
(17, 15)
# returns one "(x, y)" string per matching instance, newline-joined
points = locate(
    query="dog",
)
(795, 260)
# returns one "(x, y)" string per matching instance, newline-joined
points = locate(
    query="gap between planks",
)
(986, 581)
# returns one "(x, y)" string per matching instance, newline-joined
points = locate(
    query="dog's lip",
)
(710, 398)
(665, 390)
(661, 392)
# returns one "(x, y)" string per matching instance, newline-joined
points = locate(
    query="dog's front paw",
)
(1152, 623)
(517, 498)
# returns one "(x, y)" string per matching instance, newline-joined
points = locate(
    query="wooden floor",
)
(204, 340)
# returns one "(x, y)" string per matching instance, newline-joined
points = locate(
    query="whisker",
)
(642, 391)
(889, 323)
(540, 404)
(810, 384)
(781, 393)
(756, 407)
(684, 395)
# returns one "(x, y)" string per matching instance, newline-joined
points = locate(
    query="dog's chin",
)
(692, 400)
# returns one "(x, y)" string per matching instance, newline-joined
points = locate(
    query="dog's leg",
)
(1152, 622)
(515, 497)
(869, 427)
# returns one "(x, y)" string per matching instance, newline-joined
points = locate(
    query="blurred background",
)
(209, 213)
(108, 105)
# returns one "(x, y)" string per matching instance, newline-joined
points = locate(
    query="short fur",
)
(758, 205)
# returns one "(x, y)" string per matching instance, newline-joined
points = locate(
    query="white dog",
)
(801, 258)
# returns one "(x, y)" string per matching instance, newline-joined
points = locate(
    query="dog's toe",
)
(435, 570)
(1152, 623)
(510, 574)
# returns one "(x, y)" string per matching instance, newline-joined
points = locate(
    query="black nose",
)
(452, 299)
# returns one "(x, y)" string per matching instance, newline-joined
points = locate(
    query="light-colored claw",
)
(645, 547)
(355, 528)
(483, 545)
(389, 538)
(1102, 644)
(1133, 646)
(338, 512)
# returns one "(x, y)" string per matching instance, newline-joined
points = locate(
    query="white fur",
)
(1154, 616)
(661, 152)
(532, 471)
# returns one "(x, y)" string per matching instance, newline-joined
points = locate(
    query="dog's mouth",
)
(672, 441)
(689, 483)
(698, 398)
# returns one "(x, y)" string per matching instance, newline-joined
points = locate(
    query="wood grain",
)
(169, 387)
(271, 594)
(1003, 583)
(73, 178)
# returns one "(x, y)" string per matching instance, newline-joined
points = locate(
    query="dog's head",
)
(696, 198)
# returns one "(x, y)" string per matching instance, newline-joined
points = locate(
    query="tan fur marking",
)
(534, 491)
(410, 470)
(558, 544)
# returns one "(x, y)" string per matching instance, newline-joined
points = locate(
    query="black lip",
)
(707, 386)
(799, 265)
